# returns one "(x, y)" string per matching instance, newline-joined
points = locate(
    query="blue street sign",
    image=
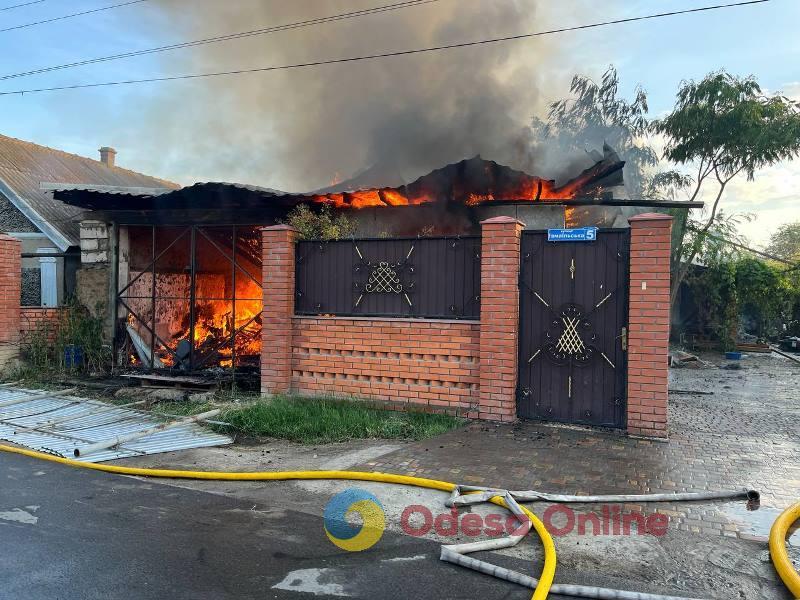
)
(581, 234)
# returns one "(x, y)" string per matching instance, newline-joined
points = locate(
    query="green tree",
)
(714, 288)
(320, 224)
(595, 115)
(764, 291)
(724, 126)
(785, 243)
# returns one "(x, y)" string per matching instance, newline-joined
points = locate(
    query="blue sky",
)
(761, 40)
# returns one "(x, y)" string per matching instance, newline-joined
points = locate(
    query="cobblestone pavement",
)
(745, 434)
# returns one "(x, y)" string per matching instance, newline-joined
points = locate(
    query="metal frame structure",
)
(195, 234)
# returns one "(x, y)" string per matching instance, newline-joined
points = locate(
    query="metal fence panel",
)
(436, 278)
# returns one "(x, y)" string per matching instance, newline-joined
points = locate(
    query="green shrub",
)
(46, 347)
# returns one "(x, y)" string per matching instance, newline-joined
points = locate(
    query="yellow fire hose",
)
(778, 552)
(545, 580)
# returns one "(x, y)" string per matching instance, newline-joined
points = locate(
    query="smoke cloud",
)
(402, 116)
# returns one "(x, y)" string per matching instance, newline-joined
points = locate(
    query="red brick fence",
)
(17, 322)
(10, 292)
(462, 366)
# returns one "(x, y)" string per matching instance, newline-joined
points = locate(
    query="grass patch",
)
(30, 376)
(321, 420)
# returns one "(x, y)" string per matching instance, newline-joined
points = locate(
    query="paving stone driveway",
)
(746, 434)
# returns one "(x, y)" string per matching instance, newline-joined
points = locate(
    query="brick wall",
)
(425, 364)
(37, 319)
(648, 322)
(10, 292)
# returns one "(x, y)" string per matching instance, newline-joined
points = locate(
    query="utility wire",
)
(62, 17)
(383, 54)
(223, 38)
(13, 6)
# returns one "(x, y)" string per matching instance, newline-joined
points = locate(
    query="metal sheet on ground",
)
(58, 424)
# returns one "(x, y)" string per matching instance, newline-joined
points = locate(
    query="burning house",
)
(184, 265)
(450, 295)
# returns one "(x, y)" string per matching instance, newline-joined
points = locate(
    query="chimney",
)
(107, 156)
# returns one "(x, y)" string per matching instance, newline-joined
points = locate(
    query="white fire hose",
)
(464, 495)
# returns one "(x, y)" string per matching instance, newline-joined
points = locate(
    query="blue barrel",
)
(73, 356)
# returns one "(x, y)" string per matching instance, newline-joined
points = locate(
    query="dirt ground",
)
(743, 434)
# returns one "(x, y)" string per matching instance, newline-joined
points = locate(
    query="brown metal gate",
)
(573, 336)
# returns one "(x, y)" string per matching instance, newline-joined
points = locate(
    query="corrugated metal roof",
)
(94, 421)
(25, 165)
(239, 186)
(126, 190)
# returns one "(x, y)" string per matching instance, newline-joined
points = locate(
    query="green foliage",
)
(184, 408)
(37, 345)
(763, 291)
(714, 289)
(785, 243)
(325, 420)
(729, 124)
(720, 243)
(320, 224)
(666, 185)
(594, 115)
(723, 126)
(46, 347)
(738, 285)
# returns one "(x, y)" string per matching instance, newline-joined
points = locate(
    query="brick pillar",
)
(277, 278)
(94, 287)
(648, 323)
(499, 318)
(10, 292)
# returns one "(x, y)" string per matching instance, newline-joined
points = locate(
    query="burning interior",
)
(190, 297)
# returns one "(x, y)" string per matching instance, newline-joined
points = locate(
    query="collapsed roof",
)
(467, 182)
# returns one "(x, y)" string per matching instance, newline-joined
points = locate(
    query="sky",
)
(188, 131)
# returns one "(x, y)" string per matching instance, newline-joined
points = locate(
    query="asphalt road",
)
(69, 533)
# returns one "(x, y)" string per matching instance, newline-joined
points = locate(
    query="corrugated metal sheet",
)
(95, 421)
(240, 186)
(24, 165)
(200, 195)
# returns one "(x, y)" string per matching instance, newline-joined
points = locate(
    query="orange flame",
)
(469, 182)
(217, 317)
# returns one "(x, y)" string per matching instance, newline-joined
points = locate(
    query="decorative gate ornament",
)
(570, 337)
(384, 277)
(383, 280)
(570, 342)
